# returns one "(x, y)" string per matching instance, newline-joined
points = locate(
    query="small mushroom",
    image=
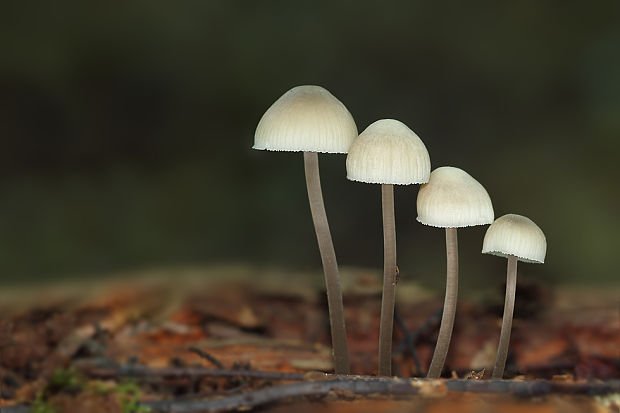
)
(451, 199)
(516, 238)
(309, 119)
(388, 153)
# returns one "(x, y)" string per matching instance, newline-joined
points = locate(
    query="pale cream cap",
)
(516, 235)
(453, 199)
(306, 118)
(388, 152)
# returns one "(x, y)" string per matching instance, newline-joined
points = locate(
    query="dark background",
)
(126, 129)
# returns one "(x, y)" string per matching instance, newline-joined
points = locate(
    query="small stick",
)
(408, 341)
(191, 372)
(207, 356)
(201, 372)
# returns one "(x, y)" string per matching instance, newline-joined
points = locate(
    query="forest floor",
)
(234, 338)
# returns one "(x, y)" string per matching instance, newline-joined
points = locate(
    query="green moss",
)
(129, 396)
(41, 405)
(70, 380)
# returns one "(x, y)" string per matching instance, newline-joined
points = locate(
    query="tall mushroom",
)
(309, 119)
(388, 153)
(451, 199)
(516, 238)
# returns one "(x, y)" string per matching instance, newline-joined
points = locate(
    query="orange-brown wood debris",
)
(52, 340)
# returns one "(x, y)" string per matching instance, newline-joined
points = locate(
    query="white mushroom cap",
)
(516, 235)
(306, 118)
(388, 152)
(453, 199)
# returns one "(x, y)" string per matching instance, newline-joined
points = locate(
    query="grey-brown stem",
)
(330, 265)
(449, 305)
(509, 306)
(389, 281)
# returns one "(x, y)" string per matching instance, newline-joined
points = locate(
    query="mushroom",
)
(516, 238)
(388, 153)
(309, 119)
(451, 199)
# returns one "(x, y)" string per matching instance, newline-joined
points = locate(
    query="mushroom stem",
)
(449, 305)
(330, 266)
(509, 306)
(389, 281)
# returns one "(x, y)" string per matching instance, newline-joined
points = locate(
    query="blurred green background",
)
(126, 129)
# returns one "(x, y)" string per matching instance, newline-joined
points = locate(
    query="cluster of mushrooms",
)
(310, 119)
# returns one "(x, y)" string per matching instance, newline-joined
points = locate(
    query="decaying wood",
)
(241, 345)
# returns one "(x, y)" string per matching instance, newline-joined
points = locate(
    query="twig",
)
(16, 409)
(407, 342)
(433, 319)
(410, 338)
(209, 357)
(187, 372)
(384, 386)
(278, 393)
(225, 392)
